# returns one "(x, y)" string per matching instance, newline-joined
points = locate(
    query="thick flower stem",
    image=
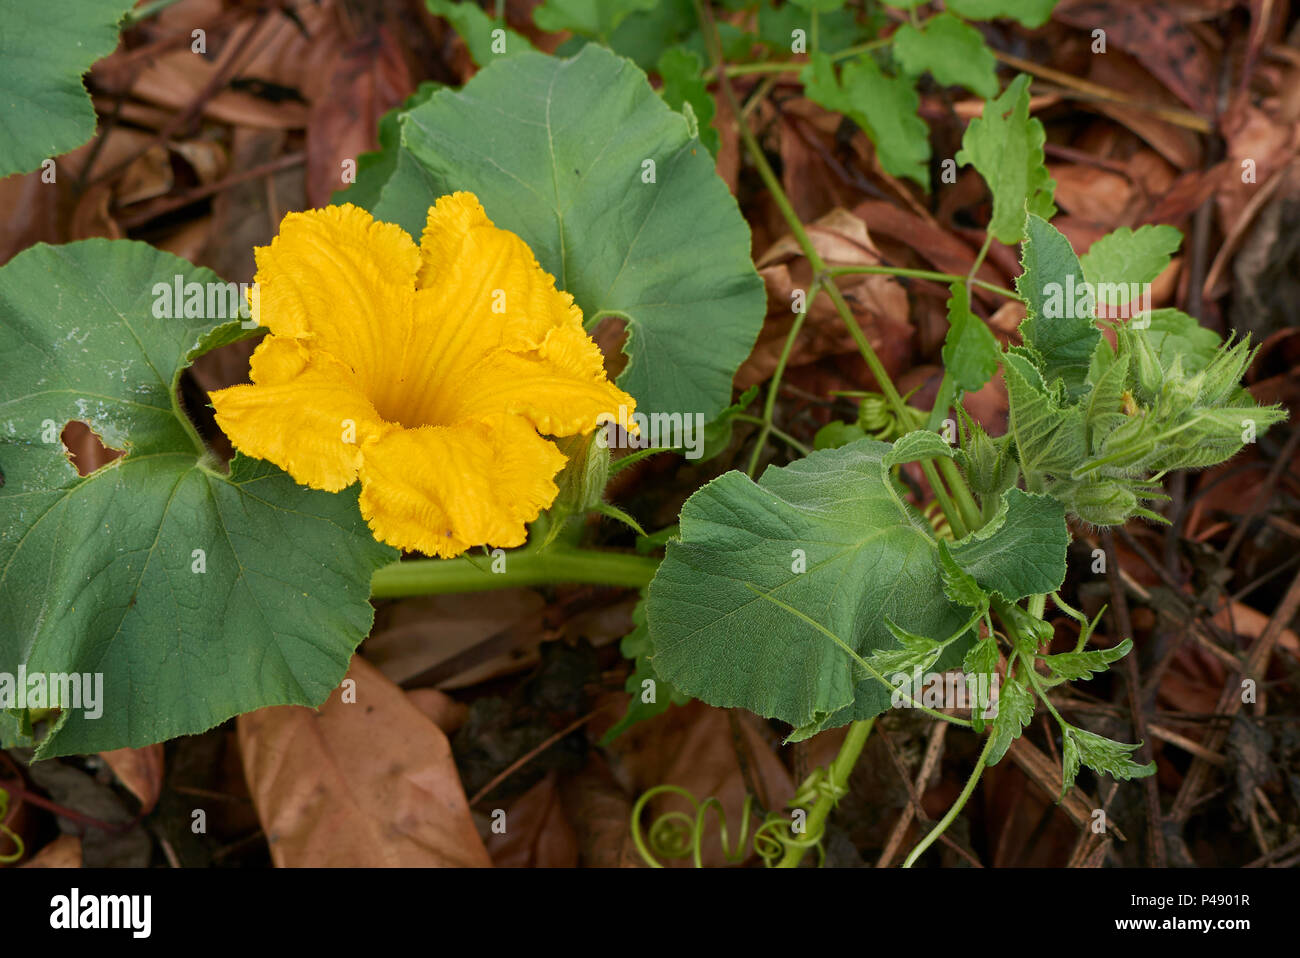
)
(837, 780)
(526, 567)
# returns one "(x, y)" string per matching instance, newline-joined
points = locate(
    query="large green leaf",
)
(561, 152)
(198, 595)
(44, 108)
(827, 537)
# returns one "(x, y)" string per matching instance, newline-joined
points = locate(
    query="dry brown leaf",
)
(879, 303)
(538, 834)
(361, 784)
(140, 770)
(63, 852)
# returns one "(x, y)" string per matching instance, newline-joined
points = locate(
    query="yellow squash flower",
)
(427, 372)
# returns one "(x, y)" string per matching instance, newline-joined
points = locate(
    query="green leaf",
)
(819, 6)
(1015, 712)
(1125, 256)
(1005, 144)
(836, 31)
(682, 71)
(1099, 754)
(651, 695)
(1032, 13)
(1075, 666)
(917, 445)
(589, 18)
(982, 658)
(478, 30)
(827, 537)
(718, 431)
(563, 163)
(1059, 324)
(1021, 552)
(970, 351)
(952, 51)
(643, 36)
(835, 434)
(884, 106)
(1172, 334)
(44, 108)
(1049, 440)
(104, 574)
(958, 584)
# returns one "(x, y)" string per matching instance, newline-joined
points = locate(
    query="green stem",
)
(953, 812)
(523, 568)
(922, 274)
(769, 406)
(837, 780)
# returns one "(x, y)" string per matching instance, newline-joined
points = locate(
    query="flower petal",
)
(560, 387)
(481, 290)
(442, 489)
(306, 414)
(343, 283)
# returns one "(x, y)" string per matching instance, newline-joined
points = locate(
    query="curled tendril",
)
(877, 417)
(7, 832)
(677, 834)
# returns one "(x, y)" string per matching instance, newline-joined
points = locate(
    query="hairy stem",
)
(837, 780)
(957, 806)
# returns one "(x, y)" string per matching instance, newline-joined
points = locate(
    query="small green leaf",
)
(1126, 256)
(1172, 334)
(1015, 712)
(682, 71)
(1031, 13)
(597, 19)
(1005, 144)
(918, 445)
(44, 108)
(885, 107)
(1059, 324)
(479, 31)
(952, 51)
(970, 351)
(982, 659)
(958, 584)
(1021, 552)
(1074, 666)
(651, 695)
(835, 434)
(1049, 440)
(1099, 754)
